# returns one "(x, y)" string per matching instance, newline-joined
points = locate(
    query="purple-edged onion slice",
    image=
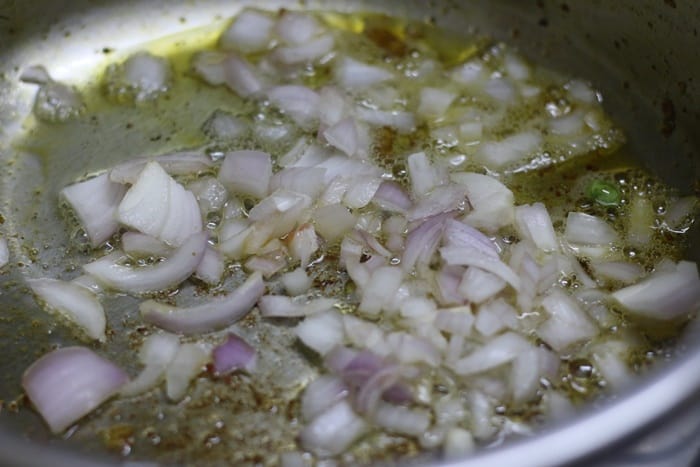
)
(69, 383)
(163, 275)
(215, 314)
(233, 354)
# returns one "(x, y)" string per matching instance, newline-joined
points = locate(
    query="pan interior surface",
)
(650, 93)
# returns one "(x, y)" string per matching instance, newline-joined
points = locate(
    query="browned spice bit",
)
(387, 41)
(118, 437)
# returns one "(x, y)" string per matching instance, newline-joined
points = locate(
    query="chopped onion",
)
(640, 221)
(295, 27)
(665, 295)
(384, 283)
(588, 230)
(534, 224)
(210, 194)
(57, 102)
(499, 154)
(250, 32)
(390, 196)
(478, 285)
(457, 321)
(462, 235)
(146, 75)
(438, 200)
(299, 102)
(247, 173)
(177, 163)
(241, 77)
(209, 316)
(454, 255)
(296, 282)
(321, 394)
(321, 331)
(188, 362)
(208, 65)
(609, 358)
(233, 354)
(95, 202)
(281, 306)
(567, 323)
(69, 383)
(305, 180)
(495, 316)
(491, 202)
(35, 74)
(303, 243)
(159, 206)
(458, 444)
(333, 221)
(498, 351)
(160, 276)
(343, 135)
(156, 353)
(401, 420)
(355, 75)
(313, 50)
(211, 268)
(76, 303)
(404, 122)
(424, 175)
(136, 244)
(333, 431)
(434, 102)
(622, 271)
(422, 241)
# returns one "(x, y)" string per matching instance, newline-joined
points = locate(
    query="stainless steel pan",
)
(642, 54)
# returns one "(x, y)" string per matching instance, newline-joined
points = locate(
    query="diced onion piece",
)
(296, 282)
(567, 323)
(422, 241)
(303, 243)
(434, 102)
(622, 271)
(188, 362)
(455, 255)
(306, 180)
(177, 163)
(247, 173)
(361, 190)
(384, 283)
(321, 394)
(311, 51)
(69, 383)
(404, 122)
(664, 295)
(147, 75)
(355, 75)
(160, 276)
(299, 102)
(211, 268)
(321, 332)
(210, 316)
(588, 230)
(159, 206)
(295, 27)
(4, 252)
(462, 235)
(440, 199)
(478, 285)
(74, 302)
(473, 71)
(233, 354)
(333, 431)
(402, 420)
(491, 201)
(281, 306)
(241, 77)
(498, 351)
(249, 32)
(57, 102)
(95, 202)
(233, 237)
(210, 194)
(609, 358)
(424, 175)
(390, 196)
(209, 66)
(458, 320)
(495, 316)
(640, 221)
(333, 221)
(268, 264)
(499, 154)
(534, 224)
(156, 353)
(343, 136)
(458, 444)
(137, 244)
(35, 74)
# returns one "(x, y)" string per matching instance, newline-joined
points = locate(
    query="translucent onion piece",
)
(454, 255)
(57, 102)
(215, 314)
(233, 354)
(313, 50)
(95, 202)
(250, 31)
(390, 196)
(333, 431)
(146, 75)
(211, 268)
(295, 27)
(161, 276)
(74, 302)
(665, 295)
(241, 77)
(188, 362)
(321, 332)
(402, 420)
(69, 383)
(588, 230)
(343, 136)
(567, 323)
(35, 74)
(491, 202)
(299, 102)
(136, 244)
(156, 353)
(159, 206)
(4, 252)
(177, 163)
(434, 102)
(533, 223)
(498, 351)
(321, 394)
(355, 75)
(500, 154)
(404, 122)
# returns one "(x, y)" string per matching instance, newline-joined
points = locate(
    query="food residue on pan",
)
(353, 237)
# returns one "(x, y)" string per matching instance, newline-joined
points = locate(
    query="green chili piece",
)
(604, 193)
